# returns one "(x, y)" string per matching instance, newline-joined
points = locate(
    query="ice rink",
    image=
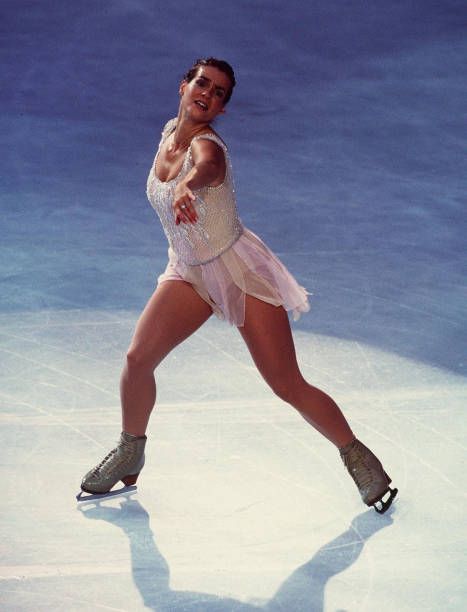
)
(347, 132)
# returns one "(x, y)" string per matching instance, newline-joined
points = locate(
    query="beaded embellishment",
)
(218, 225)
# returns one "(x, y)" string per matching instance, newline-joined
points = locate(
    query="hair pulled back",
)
(221, 65)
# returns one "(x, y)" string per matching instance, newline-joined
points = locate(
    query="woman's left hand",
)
(183, 207)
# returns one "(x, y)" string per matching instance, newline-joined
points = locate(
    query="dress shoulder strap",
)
(169, 128)
(211, 136)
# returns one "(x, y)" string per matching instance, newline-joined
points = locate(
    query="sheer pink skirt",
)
(248, 267)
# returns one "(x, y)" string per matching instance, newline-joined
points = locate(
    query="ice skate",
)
(123, 491)
(369, 476)
(124, 463)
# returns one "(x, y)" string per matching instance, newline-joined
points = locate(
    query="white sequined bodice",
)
(218, 225)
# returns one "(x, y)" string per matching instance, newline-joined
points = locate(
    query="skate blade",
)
(84, 496)
(382, 505)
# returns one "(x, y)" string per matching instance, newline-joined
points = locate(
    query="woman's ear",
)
(181, 89)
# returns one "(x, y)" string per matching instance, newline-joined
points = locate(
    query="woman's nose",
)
(208, 92)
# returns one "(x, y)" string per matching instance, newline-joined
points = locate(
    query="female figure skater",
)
(217, 265)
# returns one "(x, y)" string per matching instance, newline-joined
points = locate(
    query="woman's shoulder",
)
(169, 127)
(213, 136)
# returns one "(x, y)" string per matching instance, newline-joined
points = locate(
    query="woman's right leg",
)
(172, 314)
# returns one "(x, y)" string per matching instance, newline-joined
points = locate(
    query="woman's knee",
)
(138, 360)
(287, 388)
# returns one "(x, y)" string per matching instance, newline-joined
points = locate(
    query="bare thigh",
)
(172, 314)
(268, 336)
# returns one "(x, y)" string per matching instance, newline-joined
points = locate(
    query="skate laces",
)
(355, 463)
(107, 461)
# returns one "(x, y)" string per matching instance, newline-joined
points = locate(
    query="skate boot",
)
(123, 463)
(369, 476)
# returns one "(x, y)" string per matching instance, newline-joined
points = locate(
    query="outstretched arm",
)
(208, 169)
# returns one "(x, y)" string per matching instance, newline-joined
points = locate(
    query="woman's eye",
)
(219, 93)
(201, 82)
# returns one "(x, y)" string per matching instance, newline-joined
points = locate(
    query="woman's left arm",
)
(208, 170)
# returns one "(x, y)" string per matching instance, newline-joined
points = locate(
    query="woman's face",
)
(203, 97)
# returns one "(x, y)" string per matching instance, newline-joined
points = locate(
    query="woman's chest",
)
(160, 194)
(169, 163)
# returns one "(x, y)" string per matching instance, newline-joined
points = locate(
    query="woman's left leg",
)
(267, 334)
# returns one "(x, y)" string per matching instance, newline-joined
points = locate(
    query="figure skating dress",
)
(217, 255)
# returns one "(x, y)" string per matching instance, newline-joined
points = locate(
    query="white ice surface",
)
(241, 505)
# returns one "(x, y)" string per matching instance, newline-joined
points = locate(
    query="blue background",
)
(347, 132)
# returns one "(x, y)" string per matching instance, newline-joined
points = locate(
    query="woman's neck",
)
(186, 130)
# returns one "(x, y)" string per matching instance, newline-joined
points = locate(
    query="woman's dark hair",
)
(221, 65)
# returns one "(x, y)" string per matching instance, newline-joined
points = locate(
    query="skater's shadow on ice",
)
(302, 591)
